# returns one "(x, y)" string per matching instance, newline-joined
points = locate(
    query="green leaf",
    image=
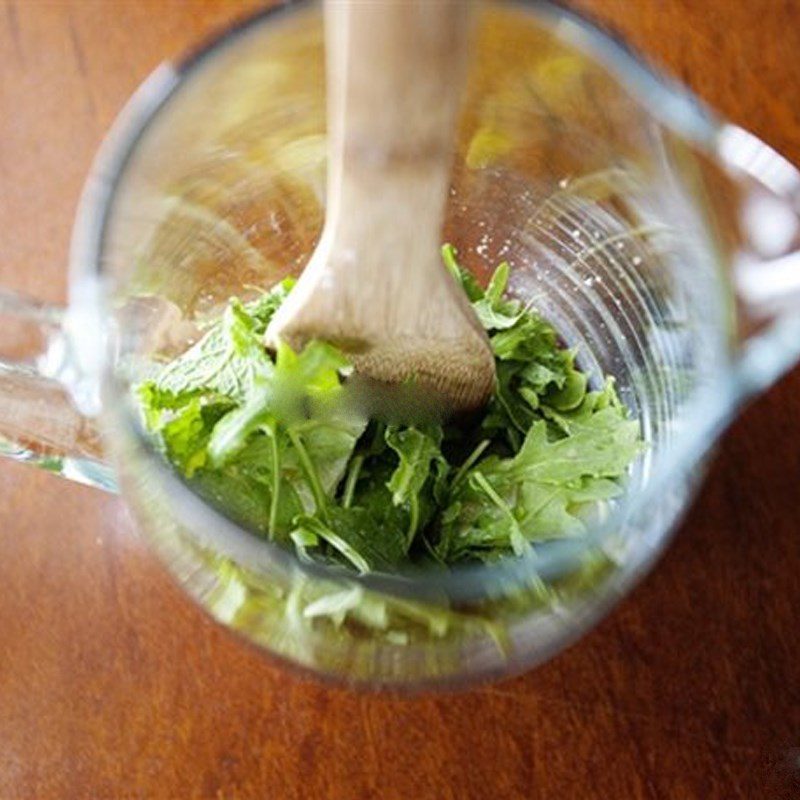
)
(263, 308)
(539, 377)
(470, 286)
(420, 458)
(329, 444)
(602, 446)
(553, 511)
(185, 438)
(237, 495)
(416, 450)
(545, 490)
(357, 535)
(570, 395)
(261, 440)
(529, 339)
(497, 285)
(225, 362)
(312, 455)
(297, 396)
(493, 311)
(231, 433)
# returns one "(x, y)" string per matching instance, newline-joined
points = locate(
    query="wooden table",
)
(112, 684)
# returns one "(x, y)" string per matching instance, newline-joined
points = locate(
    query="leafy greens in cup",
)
(270, 439)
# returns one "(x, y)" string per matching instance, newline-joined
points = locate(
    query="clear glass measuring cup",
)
(662, 242)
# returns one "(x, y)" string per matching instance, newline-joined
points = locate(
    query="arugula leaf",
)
(465, 279)
(328, 447)
(603, 445)
(540, 377)
(493, 310)
(363, 539)
(531, 339)
(418, 451)
(543, 491)
(239, 494)
(263, 308)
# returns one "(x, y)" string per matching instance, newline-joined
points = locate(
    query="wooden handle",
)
(376, 284)
(395, 76)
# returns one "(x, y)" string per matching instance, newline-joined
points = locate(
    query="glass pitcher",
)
(661, 242)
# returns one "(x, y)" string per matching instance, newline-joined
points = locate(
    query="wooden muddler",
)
(376, 285)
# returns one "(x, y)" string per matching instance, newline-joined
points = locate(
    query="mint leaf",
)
(228, 358)
(223, 362)
(185, 436)
(239, 493)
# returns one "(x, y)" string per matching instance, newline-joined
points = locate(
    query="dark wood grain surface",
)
(113, 685)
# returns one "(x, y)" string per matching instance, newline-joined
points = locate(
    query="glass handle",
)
(766, 257)
(45, 415)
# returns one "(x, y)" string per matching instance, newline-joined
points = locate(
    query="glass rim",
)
(668, 101)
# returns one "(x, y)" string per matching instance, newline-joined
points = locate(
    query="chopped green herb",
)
(271, 441)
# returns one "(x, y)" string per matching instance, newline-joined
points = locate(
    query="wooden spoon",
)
(376, 285)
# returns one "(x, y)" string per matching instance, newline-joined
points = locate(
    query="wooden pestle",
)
(376, 285)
